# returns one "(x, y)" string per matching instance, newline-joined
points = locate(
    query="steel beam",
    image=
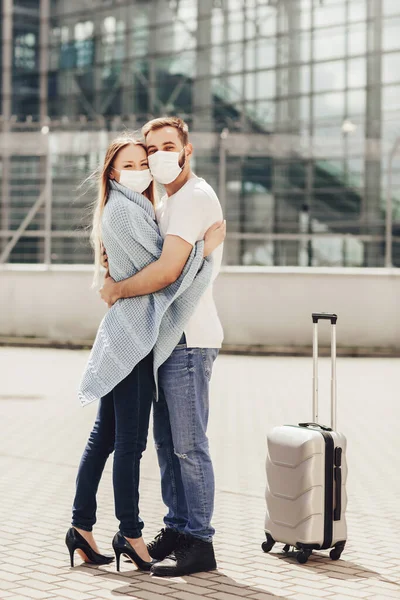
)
(373, 131)
(202, 91)
(7, 53)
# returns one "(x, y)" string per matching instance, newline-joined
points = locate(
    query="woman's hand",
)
(104, 258)
(109, 291)
(214, 237)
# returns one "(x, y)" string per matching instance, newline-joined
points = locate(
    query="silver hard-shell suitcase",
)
(306, 477)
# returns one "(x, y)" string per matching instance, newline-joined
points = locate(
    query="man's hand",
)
(109, 291)
(214, 237)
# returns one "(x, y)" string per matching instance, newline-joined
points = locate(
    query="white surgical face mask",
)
(138, 181)
(164, 166)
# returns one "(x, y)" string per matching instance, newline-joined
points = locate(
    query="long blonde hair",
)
(103, 192)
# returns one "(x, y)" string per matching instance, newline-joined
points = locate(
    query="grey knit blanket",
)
(133, 327)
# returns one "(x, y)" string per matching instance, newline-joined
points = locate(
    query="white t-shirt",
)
(188, 214)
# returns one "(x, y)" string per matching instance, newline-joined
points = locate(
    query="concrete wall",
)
(270, 307)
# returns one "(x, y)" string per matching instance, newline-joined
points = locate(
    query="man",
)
(189, 208)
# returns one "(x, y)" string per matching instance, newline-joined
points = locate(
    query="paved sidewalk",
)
(43, 431)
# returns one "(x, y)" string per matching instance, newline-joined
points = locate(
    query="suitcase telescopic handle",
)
(324, 317)
(332, 317)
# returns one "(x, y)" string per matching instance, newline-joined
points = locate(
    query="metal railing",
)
(50, 229)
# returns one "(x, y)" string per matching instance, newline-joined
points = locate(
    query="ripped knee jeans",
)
(180, 434)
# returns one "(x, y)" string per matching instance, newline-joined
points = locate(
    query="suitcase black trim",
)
(328, 504)
(328, 516)
(337, 472)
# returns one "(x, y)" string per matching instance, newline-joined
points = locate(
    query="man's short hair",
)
(176, 122)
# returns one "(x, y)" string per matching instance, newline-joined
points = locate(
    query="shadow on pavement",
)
(133, 582)
(330, 568)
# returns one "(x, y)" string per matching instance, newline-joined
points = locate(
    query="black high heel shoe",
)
(122, 546)
(75, 541)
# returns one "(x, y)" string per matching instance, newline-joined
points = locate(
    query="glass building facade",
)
(293, 105)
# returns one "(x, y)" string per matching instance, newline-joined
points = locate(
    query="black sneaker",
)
(163, 544)
(192, 555)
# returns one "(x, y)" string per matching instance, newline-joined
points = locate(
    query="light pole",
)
(389, 206)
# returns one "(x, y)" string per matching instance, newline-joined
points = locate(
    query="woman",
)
(122, 420)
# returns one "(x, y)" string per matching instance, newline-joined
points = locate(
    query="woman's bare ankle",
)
(139, 545)
(88, 536)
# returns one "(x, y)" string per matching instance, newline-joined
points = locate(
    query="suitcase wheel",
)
(303, 556)
(336, 552)
(269, 544)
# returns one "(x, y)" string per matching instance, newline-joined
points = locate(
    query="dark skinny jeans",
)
(121, 425)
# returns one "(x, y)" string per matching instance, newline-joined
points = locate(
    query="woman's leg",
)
(98, 448)
(132, 404)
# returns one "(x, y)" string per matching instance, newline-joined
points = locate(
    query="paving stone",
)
(221, 595)
(72, 594)
(184, 595)
(346, 592)
(389, 593)
(34, 593)
(232, 590)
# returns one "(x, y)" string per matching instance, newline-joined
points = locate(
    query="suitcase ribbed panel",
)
(295, 492)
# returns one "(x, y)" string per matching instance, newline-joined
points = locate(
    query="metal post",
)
(44, 58)
(128, 91)
(315, 374)
(48, 207)
(245, 91)
(373, 132)
(222, 175)
(222, 168)
(7, 31)
(7, 18)
(45, 160)
(202, 92)
(389, 207)
(333, 378)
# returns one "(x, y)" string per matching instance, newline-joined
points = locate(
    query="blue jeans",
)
(122, 425)
(180, 425)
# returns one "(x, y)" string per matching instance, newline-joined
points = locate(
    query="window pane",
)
(181, 37)
(266, 52)
(218, 60)
(304, 109)
(305, 46)
(260, 85)
(357, 72)
(183, 63)
(357, 10)
(391, 97)
(391, 68)
(391, 7)
(391, 37)
(217, 27)
(235, 26)
(305, 79)
(357, 38)
(336, 46)
(329, 13)
(356, 104)
(329, 76)
(305, 14)
(266, 20)
(235, 57)
(328, 105)
(265, 111)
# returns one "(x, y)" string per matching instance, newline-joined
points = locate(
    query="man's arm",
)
(156, 276)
